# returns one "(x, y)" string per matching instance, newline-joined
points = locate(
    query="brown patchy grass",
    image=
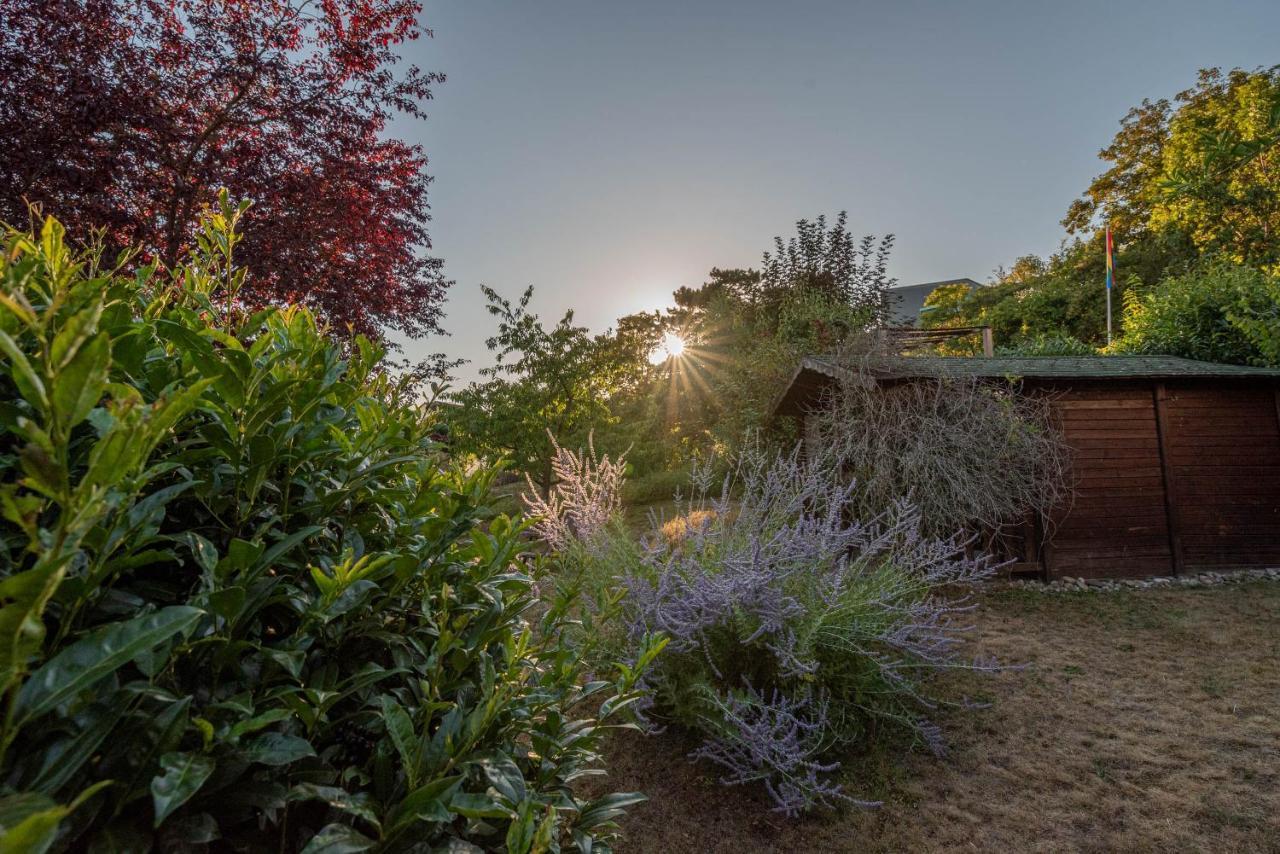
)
(1144, 721)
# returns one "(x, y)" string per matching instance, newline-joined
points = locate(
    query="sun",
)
(672, 347)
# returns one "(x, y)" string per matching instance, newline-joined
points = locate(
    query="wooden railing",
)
(908, 338)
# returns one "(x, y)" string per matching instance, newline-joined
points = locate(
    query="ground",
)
(1142, 721)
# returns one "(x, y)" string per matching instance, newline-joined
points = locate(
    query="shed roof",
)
(1075, 367)
(818, 372)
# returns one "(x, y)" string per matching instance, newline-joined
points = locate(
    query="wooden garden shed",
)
(1175, 463)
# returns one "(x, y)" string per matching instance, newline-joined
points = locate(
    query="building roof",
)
(906, 301)
(963, 280)
(817, 373)
(1075, 367)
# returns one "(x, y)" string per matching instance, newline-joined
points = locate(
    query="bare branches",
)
(966, 451)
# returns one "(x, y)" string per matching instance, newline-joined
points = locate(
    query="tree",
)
(544, 383)
(128, 115)
(829, 262)
(1202, 171)
(745, 329)
(1122, 196)
(1222, 167)
(1193, 188)
(1036, 298)
(946, 305)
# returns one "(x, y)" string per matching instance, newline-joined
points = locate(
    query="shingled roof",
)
(817, 373)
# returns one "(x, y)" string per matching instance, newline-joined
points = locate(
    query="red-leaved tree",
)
(130, 114)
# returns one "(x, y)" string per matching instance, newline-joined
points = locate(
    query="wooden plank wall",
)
(1223, 449)
(1117, 524)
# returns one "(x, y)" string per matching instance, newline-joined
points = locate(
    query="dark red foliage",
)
(130, 114)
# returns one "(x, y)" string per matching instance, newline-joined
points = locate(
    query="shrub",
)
(247, 602)
(966, 451)
(1053, 344)
(795, 632)
(1021, 307)
(1220, 312)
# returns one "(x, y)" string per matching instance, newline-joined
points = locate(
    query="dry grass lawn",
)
(1144, 721)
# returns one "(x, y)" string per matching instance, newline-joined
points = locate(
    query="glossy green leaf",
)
(360, 805)
(16, 807)
(400, 730)
(338, 839)
(607, 808)
(182, 775)
(228, 603)
(78, 328)
(22, 630)
(205, 553)
(505, 776)
(428, 802)
(78, 386)
(81, 665)
(35, 834)
(29, 822)
(65, 757)
(478, 806)
(29, 384)
(257, 722)
(190, 344)
(275, 748)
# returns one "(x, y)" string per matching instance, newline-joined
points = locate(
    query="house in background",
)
(905, 301)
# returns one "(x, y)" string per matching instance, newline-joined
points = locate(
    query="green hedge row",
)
(245, 601)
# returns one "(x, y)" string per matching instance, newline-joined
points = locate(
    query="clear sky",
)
(609, 152)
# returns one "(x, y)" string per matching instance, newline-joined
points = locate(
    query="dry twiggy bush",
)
(967, 451)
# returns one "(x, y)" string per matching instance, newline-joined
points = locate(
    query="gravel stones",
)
(1068, 584)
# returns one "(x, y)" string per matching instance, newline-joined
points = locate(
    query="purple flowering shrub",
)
(792, 628)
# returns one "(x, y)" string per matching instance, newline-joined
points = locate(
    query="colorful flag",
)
(1111, 271)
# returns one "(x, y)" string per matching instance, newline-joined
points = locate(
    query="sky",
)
(609, 152)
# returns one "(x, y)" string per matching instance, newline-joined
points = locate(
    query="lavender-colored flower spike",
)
(770, 583)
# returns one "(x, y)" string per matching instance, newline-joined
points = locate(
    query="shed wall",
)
(1170, 475)
(1117, 524)
(1223, 448)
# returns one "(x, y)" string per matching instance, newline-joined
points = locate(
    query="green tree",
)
(744, 330)
(1221, 181)
(1193, 178)
(544, 381)
(1033, 300)
(748, 328)
(1202, 172)
(947, 305)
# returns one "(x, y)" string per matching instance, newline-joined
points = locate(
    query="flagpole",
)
(1110, 276)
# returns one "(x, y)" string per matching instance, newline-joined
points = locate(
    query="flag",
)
(1111, 270)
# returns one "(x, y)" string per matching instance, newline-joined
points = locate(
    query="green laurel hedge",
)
(246, 603)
